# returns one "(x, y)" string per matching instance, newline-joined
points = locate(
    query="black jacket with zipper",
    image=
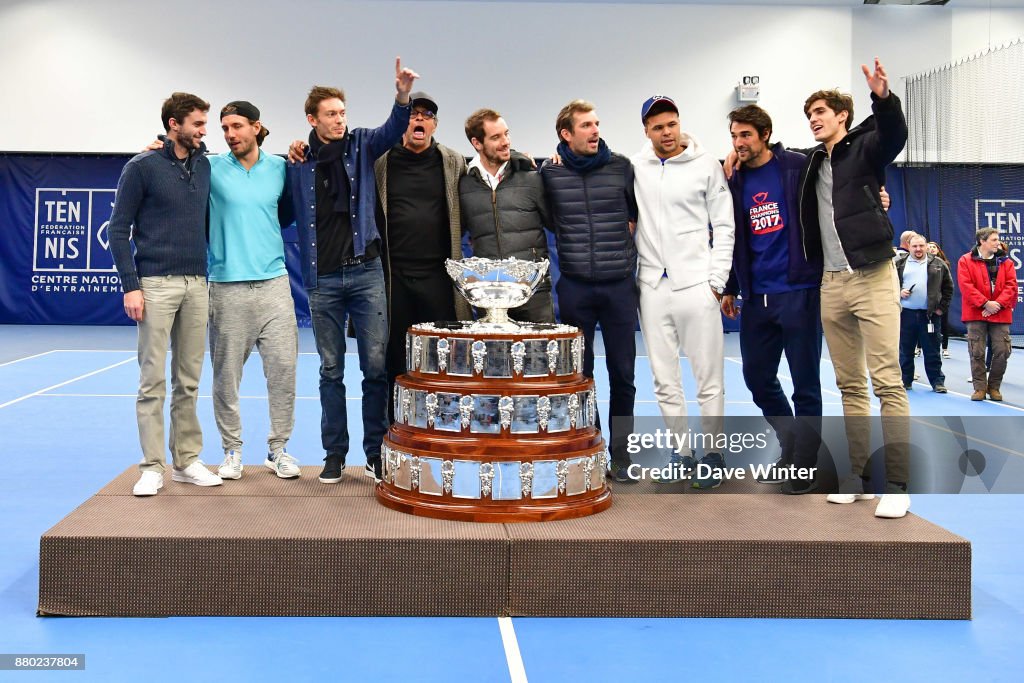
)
(592, 212)
(510, 220)
(858, 172)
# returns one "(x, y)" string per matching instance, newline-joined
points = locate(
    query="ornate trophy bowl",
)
(496, 285)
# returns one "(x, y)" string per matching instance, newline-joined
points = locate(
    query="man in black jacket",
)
(860, 313)
(926, 288)
(593, 213)
(503, 206)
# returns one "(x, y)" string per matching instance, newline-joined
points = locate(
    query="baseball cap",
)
(423, 100)
(241, 108)
(659, 104)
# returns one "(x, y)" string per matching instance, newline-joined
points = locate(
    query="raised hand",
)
(403, 81)
(877, 81)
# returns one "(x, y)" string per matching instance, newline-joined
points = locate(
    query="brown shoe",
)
(994, 395)
(978, 395)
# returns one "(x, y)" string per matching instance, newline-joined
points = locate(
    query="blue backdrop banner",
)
(55, 262)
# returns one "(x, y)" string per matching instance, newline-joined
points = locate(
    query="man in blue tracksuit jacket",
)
(780, 288)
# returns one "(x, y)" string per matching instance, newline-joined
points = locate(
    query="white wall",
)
(90, 76)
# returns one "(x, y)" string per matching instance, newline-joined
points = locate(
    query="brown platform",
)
(265, 546)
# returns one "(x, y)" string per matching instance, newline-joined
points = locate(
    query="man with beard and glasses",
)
(503, 206)
(418, 186)
(160, 206)
(780, 289)
(335, 195)
(593, 213)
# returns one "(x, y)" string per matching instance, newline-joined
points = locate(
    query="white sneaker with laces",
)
(148, 484)
(945, 353)
(197, 474)
(893, 506)
(284, 465)
(231, 468)
(846, 498)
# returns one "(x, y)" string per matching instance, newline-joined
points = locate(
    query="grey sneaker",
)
(283, 465)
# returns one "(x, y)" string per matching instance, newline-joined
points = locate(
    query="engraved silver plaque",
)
(545, 479)
(498, 358)
(466, 479)
(507, 484)
(461, 362)
(535, 362)
(559, 420)
(576, 478)
(419, 408)
(564, 365)
(431, 476)
(484, 419)
(428, 363)
(448, 417)
(525, 419)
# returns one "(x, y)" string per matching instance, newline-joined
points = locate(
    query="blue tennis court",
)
(67, 416)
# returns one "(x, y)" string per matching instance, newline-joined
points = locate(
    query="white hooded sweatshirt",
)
(678, 199)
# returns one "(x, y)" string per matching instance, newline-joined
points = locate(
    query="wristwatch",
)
(718, 290)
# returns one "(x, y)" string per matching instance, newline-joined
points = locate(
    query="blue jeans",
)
(357, 292)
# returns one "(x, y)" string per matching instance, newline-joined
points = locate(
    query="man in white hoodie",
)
(680, 192)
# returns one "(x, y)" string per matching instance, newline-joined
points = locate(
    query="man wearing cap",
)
(335, 195)
(503, 206)
(593, 209)
(418, 186)
(251, 303)
(680, 191)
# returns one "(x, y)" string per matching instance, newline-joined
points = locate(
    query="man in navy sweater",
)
(780, 287)
(164, 194)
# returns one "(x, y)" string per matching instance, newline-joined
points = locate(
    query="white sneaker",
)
(148, 484)
(846, 498)
(231, 468)
(945, 353)
(284, 465)
(197, 474)
(893, 506)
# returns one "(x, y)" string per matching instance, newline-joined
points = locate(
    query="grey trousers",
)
(257, 314)
(176, 311)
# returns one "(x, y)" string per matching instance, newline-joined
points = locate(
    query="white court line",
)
(75, 379)
(974, 439)
(991, 403)
(516, 670)
(18, 360)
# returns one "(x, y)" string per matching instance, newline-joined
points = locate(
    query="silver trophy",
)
(496, 285)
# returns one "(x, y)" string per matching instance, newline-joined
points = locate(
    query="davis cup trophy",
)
(494, 420)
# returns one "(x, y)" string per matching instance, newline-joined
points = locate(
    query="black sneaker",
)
(796, 487)
(373, 469)
(334, 468)
(772, 475)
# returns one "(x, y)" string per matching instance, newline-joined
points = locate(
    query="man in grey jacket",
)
(503, 206)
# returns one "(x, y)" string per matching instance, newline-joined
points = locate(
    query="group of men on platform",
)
(803, 238)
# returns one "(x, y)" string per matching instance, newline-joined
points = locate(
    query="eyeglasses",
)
(423, 113)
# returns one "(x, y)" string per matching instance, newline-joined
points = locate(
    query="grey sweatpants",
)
(245, 315)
